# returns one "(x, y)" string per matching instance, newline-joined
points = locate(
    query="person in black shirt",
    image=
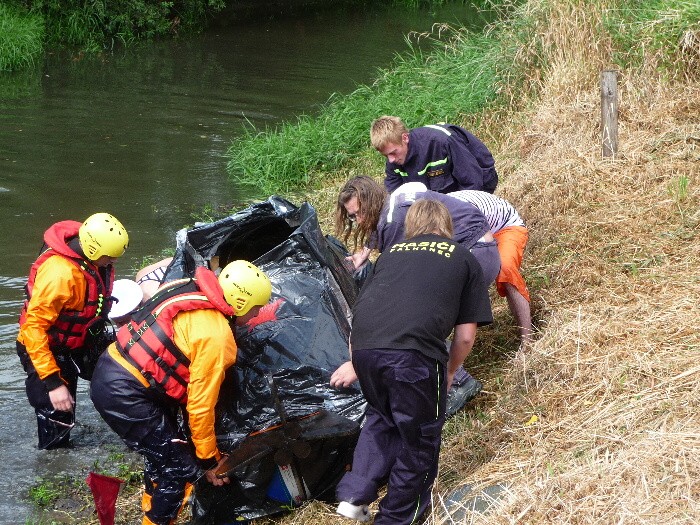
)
(365, 213)
(419, 291)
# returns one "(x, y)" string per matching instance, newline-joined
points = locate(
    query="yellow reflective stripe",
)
(432, 164)
(100, 301)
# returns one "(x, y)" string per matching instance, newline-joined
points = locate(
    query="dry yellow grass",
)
(613, 379)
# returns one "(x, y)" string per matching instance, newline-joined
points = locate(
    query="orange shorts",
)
(511, 246)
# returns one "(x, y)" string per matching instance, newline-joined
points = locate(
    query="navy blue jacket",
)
(445, 158)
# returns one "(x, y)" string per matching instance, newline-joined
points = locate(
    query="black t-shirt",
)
(418, 291)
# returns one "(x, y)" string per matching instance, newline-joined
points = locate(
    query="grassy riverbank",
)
(600, 421)
(465, 75)
(21, 38)
(456, 79)
(29, 28)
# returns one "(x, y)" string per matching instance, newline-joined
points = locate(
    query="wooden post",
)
(608, 112)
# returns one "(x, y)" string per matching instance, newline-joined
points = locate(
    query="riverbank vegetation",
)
(599, 422)
(92, 26)
(21, 38)
(456, 80)
(66, 498)
(464, 74)
(30, 27)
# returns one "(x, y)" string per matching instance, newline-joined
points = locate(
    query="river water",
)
(143, 133)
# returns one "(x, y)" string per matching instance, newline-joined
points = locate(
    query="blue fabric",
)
(400, 440)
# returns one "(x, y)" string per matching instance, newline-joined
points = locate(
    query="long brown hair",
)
(370, 200)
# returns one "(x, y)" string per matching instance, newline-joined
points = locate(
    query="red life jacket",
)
(71, 327)
(147, 340)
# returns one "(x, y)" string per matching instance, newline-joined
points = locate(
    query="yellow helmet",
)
(102, 234)
(244, 286)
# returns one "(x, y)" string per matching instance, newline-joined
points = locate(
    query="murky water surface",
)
(142, 133)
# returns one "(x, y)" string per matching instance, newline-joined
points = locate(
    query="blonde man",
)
(444, 157)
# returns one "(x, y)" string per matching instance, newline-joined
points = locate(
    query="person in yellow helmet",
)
(172, 356)
(62, 321)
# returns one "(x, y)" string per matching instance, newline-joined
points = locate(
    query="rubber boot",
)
(54, 429)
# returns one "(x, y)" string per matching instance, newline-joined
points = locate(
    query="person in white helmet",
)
(61, 325)
(127, 296)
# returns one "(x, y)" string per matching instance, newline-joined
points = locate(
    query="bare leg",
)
(520, 308)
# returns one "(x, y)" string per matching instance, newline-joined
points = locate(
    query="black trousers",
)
(53, 426)
(148, 425)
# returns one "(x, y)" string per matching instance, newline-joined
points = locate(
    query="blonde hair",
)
(428, 216)
(386, 130)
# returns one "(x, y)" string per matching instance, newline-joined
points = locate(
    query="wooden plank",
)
(608, 112)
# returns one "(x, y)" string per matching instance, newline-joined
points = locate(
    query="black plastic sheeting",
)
(298, 353)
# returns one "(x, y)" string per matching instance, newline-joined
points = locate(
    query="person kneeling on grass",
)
(401, 319)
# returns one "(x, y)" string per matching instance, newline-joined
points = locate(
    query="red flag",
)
(104, 491)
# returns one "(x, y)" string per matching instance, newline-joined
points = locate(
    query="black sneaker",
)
(460, 395)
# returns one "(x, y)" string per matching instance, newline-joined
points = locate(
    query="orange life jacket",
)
(147, 340)
(71, 327)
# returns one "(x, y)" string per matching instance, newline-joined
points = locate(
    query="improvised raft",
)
(290, 435)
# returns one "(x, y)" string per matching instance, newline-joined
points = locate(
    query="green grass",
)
(463, 74)
(45, 492)
(92, 26)
(120, 465)
(643, 28)
(420, 87)
(67, 498)
(21, 38)
(678, 188)
(100, 25)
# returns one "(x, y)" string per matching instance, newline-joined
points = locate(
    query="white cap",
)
(128, 297)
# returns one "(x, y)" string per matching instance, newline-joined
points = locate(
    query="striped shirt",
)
(498, 212)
